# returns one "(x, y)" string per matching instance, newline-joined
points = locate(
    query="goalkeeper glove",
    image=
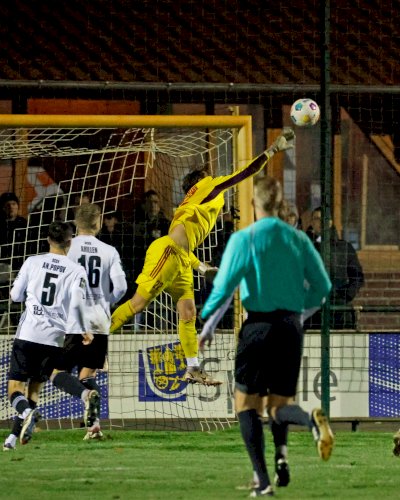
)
(122, 315)
(207, 271)
(283, 142)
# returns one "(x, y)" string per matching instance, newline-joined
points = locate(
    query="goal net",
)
(54, 164)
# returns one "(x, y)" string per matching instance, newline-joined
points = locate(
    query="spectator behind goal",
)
(346, 275)
(12, 231)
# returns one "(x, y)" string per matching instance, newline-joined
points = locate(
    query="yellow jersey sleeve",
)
(194, 261)
(199, 210)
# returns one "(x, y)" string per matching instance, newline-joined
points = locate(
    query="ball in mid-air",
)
(304, 112)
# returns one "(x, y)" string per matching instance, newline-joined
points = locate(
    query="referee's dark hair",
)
(60, 233)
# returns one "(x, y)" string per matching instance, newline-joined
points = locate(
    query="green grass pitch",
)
(58, 464)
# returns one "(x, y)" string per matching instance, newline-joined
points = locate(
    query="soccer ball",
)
(304, 112)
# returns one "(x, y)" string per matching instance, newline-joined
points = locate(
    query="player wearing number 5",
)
(107, 285)
(53, 289)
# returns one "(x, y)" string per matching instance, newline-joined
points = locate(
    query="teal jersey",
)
(276, 266)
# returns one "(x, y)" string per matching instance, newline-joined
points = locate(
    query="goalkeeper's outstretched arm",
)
(284, 141)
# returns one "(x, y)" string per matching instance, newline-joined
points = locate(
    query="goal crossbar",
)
(125, 121)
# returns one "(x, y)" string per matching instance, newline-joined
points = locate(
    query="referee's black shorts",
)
(269, 353)
(76, 354)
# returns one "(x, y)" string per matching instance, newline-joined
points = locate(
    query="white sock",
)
(192, 362)
(84, 394)
(282, 450)
(12, 439)
(25, 413)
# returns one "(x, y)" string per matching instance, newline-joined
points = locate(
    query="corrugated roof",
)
(253, 42)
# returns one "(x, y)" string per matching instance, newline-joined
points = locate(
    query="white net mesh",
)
(59, 168)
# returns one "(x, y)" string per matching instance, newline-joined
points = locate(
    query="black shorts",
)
(76, 354)
(269, 354)
(33, 361)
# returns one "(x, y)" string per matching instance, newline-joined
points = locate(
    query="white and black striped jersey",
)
(106, 277)
(54, 291)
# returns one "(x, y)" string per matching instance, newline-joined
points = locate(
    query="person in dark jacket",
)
(346, 274)
(12, 231)
(149, 224)
(118, 233)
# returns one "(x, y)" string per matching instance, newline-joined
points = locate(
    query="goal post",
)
(51, 161)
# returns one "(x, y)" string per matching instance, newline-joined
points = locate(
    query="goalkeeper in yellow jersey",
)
(170, 259)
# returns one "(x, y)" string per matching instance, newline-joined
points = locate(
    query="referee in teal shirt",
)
(280, 275)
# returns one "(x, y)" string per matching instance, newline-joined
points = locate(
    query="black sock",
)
(19, 402)
(280, 436)
(253, 437)
(292, 414)
(91, 384)
(68, 383)
(17, 426)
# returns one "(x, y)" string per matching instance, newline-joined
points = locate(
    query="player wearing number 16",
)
(107, 285)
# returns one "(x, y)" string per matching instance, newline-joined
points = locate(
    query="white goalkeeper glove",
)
(283, 142)
(207, 271)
